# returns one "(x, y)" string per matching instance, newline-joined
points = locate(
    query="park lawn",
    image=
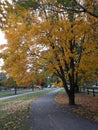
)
(12, 92)
(86, 105)
(14, 112)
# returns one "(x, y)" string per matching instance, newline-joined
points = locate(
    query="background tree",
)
(9, 83)
(2, 77)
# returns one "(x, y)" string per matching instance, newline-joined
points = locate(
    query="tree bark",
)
(76, 84)
(15, 90)
(71, 95)
(76, 88)
(71, 99)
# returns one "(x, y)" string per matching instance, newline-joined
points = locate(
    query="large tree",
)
(42, 40)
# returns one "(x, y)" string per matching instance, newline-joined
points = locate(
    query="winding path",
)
(46, 114)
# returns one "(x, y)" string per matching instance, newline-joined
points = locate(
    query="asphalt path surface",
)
(46, 114)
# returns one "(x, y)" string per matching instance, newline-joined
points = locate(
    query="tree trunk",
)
(76, 88)
(32, 89)
(15, 90)
(71, 99)
(71, 95)
(76, 84)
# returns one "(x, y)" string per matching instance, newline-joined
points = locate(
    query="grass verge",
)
(87, 105)
(12, 92)
(14, 112)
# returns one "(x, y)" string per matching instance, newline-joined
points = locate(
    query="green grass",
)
(10, 93)
(14, 112)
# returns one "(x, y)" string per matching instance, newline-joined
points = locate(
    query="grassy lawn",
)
(10, 93)
(14, 112)
(87, 105)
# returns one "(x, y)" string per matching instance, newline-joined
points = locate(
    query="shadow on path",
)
(46, 114)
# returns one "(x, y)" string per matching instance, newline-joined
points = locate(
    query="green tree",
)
(2, 77)
(9, 83)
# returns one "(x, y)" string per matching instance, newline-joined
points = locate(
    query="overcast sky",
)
(2, 38)
(2, 41)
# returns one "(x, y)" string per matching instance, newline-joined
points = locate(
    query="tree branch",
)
(85, 10)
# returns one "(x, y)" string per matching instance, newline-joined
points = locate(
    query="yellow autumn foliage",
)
(50, 44)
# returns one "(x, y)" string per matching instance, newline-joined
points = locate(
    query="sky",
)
(2, 38)
(2, 41)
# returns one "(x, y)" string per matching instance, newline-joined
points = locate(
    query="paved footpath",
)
(46, 114)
